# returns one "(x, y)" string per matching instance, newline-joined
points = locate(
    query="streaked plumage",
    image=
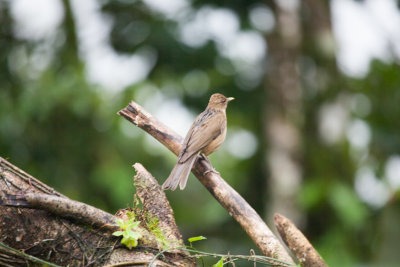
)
(207, 133)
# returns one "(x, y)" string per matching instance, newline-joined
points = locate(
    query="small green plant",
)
(129, 236)
(196, 238)
(151, 222)
(224, 258)
(219, 263)
(153, 226)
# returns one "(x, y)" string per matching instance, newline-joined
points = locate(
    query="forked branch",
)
(240, 210)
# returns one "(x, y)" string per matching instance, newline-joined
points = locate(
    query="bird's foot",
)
(206, 160)
(209, 166)
(204, 157)
(211, 170)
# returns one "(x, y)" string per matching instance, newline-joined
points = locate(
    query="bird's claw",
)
(211, 170)
(204, 157)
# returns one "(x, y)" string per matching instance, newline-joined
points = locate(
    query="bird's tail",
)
(179, 174)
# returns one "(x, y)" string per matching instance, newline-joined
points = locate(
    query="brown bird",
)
(207, 133)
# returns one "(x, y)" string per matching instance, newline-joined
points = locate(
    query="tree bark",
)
(237, 207)
(38, 221)
(298, 243)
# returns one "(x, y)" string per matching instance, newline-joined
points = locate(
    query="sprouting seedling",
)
(129, 236)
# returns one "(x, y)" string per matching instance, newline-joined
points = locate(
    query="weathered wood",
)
(298, 243)
(69, 208)
(41, 222)
(155, 202)
(38, 232)
(237, 207)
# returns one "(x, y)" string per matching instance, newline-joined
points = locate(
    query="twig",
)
(297, 242)
(240, 210)
(252, 257)
(19, 254)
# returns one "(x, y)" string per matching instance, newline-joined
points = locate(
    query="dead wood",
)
(240, 210)
(37, 232)
(38, 221)
(297, 242)
(156, 204)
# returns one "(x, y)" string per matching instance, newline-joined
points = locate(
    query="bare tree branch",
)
(240, 210)
(298, 243)
(41, 222)
(72, 209)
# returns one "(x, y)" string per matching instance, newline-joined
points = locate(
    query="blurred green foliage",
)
(63, 129)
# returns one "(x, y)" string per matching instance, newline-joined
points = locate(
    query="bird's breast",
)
(216, 143)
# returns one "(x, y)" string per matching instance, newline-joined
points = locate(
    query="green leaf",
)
(220, 263)
(118, 233)
(196, 238)
(134, 224)
(129, 237)
(130, 243)
(120, 222)
(131, 221)
(136, 235)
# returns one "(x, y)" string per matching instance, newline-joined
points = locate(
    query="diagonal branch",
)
(240, 210)
(298, 243)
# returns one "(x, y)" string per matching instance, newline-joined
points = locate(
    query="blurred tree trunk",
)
(294, 42)
(283, 111)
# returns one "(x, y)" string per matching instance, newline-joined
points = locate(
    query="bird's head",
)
(219, 101)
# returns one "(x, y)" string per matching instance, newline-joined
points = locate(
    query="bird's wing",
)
(207, 126)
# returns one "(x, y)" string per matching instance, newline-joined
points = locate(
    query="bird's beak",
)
(230, 99)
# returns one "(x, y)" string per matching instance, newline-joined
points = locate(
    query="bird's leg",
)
(210, 168)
